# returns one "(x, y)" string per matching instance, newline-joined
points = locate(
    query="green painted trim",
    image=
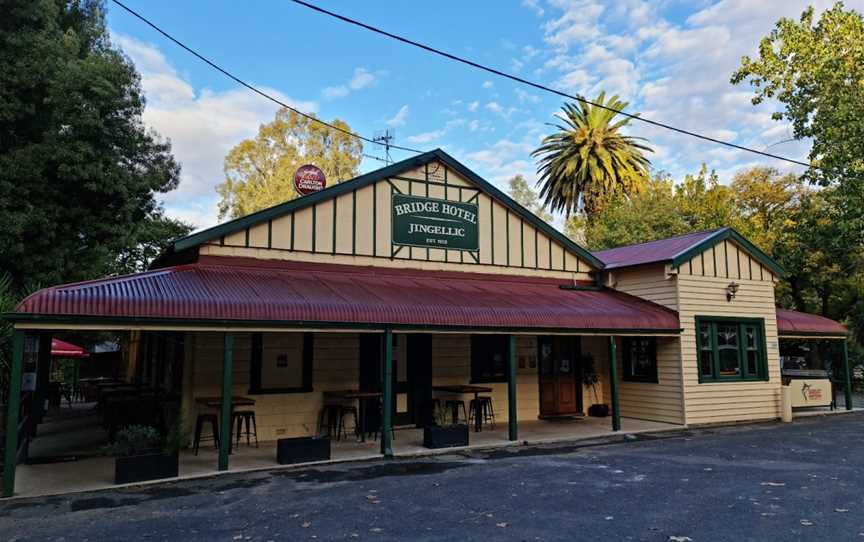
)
(292, 231)
(295, 324)
(847, 376)
(512, 410)
(371, 178)
(613, 384)
(354, 222)
(722, 235)
(387, 396)
(225, 409)
(246, 242)
(814, 334)
(762, 370)
(10, 460)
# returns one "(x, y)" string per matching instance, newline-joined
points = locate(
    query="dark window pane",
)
(752, 361)
(706, 366)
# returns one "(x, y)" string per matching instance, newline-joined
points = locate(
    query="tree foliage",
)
(78, 170)
(259, 172)
(520, 191)
(589, 158)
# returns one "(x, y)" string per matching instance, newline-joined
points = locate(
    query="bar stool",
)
(487, 411)
(452, 405)
(345, 411)
(213, 420)
(328, 419)
(246, 415)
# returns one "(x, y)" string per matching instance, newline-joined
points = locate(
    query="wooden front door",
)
(560, 375)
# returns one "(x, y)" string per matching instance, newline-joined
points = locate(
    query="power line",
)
(249, 86)
(539, 86)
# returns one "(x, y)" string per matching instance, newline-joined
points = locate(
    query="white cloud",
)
(202, 126)
(473, 106)
(534, 5)
(426, 137)
(361, 79)
(399, 118)
(487, 84)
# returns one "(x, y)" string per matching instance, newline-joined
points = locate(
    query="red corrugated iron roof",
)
(237, 289)
(67, 350)
(657, 251)
(794, 322)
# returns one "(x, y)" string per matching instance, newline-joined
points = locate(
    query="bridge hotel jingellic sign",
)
(434, 223)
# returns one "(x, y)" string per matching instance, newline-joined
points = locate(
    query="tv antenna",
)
(386, 138)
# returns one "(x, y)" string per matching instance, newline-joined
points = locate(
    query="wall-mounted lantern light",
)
(731, 290)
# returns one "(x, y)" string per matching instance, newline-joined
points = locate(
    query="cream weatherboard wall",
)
(355, 228)
(702, 292)
(662, 401)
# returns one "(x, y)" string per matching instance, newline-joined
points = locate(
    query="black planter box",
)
(435, 436)
(139, 468)
(598, 411)
(302, 450)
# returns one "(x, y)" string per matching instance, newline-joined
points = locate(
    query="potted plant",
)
(590, 378)
(443, 433)
(142, 453)
(302, 450)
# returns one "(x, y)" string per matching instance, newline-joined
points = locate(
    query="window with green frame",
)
(731, 349)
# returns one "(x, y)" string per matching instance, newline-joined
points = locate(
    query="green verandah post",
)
(613, 384)
(387, 396)
(225, 417)
(847, 375)
(12, 412)
(511, 388)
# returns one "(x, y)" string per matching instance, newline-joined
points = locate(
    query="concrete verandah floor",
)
(95, 472)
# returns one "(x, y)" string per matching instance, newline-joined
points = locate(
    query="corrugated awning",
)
(802, 323)
(221, 289)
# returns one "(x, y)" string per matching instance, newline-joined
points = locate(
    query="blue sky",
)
(671, 60)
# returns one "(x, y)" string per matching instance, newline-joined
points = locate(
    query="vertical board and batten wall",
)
(355, 228)
(662, 401)
(702, 292)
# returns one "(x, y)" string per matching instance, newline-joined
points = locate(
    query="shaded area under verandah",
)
(226, 298)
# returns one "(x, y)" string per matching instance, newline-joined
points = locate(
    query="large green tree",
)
(521, 191)
(78, 169)
(589, 157)
(259, 172)
(815, 71)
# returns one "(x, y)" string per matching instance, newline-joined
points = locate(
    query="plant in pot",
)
(302, 449)
(142, 453)
(591, 378)
(443, 432)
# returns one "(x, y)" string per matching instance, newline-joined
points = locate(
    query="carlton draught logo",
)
(309, 179)
(429, 222)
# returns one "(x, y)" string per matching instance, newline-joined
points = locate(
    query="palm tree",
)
(589, 158)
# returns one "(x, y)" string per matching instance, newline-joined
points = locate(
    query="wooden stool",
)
(214, 432)
(453, 406)
(486, 409)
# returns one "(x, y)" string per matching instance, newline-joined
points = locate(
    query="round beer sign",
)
(309, 179)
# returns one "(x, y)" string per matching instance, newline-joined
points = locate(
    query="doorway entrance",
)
(560, 376)
(412, 378)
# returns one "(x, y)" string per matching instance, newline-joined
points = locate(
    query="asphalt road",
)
(802, 481)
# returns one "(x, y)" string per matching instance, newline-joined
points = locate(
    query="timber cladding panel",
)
(662, 401)
(355, 228)
(701, 293)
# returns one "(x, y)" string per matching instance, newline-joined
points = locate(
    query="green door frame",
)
(10, 460)
(613, 384)
(225, 408)
(513, 425)
(847, 375)
(387, 395)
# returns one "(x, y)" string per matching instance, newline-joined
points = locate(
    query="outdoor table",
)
(359, 396)
(460, 389)
(216, 402)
